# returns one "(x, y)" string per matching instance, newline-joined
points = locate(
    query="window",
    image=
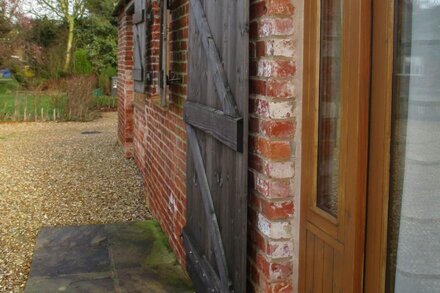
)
(329, 106)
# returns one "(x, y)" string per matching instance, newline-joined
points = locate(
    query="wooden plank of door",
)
(137, 74)
(225, 128)
(215, 65)
(138, 66)
(310, 257)
(226, 169)
(208, 205)
(138, 16)
(318, 266)
(199, 266)
(328, 268)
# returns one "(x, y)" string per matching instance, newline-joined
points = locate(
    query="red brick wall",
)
(159, 133)
(272, 151)
(160, 140)
(125, 82)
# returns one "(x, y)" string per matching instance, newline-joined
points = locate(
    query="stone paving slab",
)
(131, 257)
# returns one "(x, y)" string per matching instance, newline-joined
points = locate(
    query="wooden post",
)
(15, 106)
(25, 109)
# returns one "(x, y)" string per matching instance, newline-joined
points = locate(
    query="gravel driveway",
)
(53, 174)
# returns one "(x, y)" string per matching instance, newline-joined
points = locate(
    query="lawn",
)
(17, 105)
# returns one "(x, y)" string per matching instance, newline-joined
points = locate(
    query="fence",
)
(50, 106)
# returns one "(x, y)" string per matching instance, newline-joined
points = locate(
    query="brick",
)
(273, 271)
(275, 68)
(280, 287)
(274, 150)
(280, 7)
(277, 210)
(272, 229)
(258, 9)
(277, 47)
(278, 129)
(273, 188)
(280, 88)
(275, 27)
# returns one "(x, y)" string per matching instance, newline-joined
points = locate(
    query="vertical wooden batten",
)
(380, 140)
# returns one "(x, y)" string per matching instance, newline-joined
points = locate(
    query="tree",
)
(71, 11)
(98, 34)
(11, 20)
(10, 11)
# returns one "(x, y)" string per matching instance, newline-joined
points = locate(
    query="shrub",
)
(81, 63)
(105, 79)
(55, 85)
(8, 86)
(80, 97)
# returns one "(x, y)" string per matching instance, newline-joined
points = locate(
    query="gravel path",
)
(51, 174)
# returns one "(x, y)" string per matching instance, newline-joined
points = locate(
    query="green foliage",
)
(104, 103)
(45, 31)
(8, 86)
(43, 45)
(105, 79)
(81, 63)
(98, 35)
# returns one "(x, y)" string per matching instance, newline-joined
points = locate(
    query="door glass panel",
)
(329, 108)
(414, 223)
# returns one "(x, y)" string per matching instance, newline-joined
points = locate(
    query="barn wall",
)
(159, 132)
(159, 138)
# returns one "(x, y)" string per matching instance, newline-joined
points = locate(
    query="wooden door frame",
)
(346, 232)
(383, 40)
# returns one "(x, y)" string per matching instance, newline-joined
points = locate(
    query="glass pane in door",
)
(414, 218)
(329, 100)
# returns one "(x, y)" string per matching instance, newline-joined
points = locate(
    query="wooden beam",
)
(137, 74)
(225, 128)
(215, 65)
(208, 205)
(139, 16)
(204, 278)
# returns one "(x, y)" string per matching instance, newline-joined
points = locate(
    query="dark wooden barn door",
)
(216, 115)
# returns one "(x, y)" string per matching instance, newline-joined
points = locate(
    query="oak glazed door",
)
(216, 116)
(335, 145)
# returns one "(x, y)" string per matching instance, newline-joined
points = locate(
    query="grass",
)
(29, 106)
(105, 102)
(18, 105)
(8, 86)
